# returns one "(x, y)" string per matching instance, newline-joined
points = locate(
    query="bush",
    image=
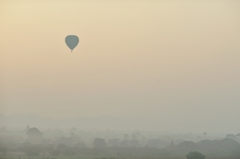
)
(195, 155)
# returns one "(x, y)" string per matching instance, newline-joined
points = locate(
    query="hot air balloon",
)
(72, 41)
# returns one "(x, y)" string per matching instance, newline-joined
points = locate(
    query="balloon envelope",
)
(72, 41)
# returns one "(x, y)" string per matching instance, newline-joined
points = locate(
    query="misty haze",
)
(120, 79)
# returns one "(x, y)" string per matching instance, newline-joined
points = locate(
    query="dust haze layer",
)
(173, 63)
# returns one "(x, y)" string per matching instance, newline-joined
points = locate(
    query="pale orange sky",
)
(152, 59)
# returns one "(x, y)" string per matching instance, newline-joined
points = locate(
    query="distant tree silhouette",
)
(124, 143)
(80, 145)
(73, 130)
(99, 142)
(34, 135)
(26, 129)
(113, 142)
(69, 152)
(134, 143)
(3, 149)
(195, 155)
(31, 150)
(61, 147)
(231, 136)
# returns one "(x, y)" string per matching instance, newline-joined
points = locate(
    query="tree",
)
(80, 145)
(34, 135)
(99, 142)
(113, 142)
(3, 149)
(195, 155)
(31, 150)
(62, 147)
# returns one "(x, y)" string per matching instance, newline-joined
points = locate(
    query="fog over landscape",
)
(146, 79)
(117, 123)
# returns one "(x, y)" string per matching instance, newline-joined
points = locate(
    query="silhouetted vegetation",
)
(140, 145)
(195, 155)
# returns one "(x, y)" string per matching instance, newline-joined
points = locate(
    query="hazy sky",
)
(164, 60)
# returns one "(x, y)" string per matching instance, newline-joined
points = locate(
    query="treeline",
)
(218, 149)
